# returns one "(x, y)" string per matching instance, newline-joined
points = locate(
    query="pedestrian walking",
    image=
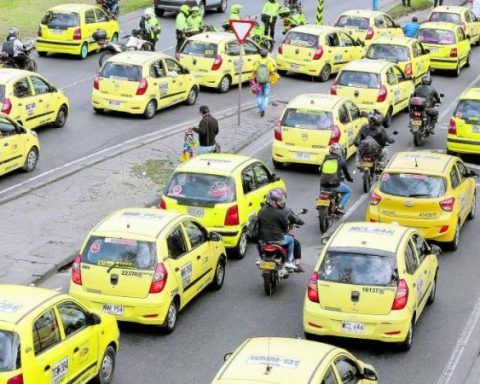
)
(437, 2)
(181, 25)
(269, 17)
(263, 72)
(407, 3)
(207, 131)
(375, 5)
(411, 28)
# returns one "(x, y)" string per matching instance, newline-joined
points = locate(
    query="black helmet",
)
(427, 80)
(12, 34)
(375, 117)
(263, 52)
(276, 198)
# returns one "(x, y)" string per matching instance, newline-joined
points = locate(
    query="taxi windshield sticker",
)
(95, 248)
(413, 176)
(371, 230)
(120, 241)
(310, 112)
(9, 307)
(209, 52)
(421, 156)
(273, 361)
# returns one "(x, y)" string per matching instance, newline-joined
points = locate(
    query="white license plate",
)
(476, 129)
(303, 156)
(352, 327)
(113, 309)
(294, 66)
(433, 49)
(57, 31)
(196, 211)
(114, 103)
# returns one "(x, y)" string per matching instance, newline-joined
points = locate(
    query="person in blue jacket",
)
(411, 28)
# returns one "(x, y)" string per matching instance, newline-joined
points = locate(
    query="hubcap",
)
(151, 109)
(61, 117)
(220, 273)
(84, 51)
(225, 84)
(434, 289)
(243, 243)
(191, 97)
(107, 367)
(172, 315)
(32, 158)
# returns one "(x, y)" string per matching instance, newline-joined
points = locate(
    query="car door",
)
(12, 147)
(473, 26)
(354, 50)
(335, 54)
(249, 189)
(463, 44)
(356, 123)
(263, 184)
(81, 341)
(232, 53)
(25, 103)
(103, 22)
(404, 88)
(464, 189)
(252, 55)
(328, 377)
(179, 81)
(412, 275)
(393, 88)
(162, 83)
(345, 126)
(423, 59)
(90, 28)
(348, 372)
(426, 272)
(46, 100)
(197, 236)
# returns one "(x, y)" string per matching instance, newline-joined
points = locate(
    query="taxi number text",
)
(60, 370)
(113, 309)
(351, 327)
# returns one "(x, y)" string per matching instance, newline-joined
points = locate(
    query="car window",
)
(389, 52)
(389, 22)
(173, 66)
(412, 185)
(421, 245)
(7, 128)
(468, 110)
(346, 40)
(333, 40)
(301, 39)
(454, 179)
(90, 16)
(347, 370)
(391, 77)
(46, 332)
(248, 180)
(262, 176)
(461, 34)
(200, 49)
(58, 20)
(329, 377)
(379, 22)
(436, 36)
(343, 115)
(353, 109)
(101, 16)
(232, 48)
(126, 72)
(22, 88)
(73, 317)
(410, 259)
(358, 79)
(399, 74)
(176, 244)
(449, 17)
(39, 85)
(352, 21)
(307, 119)
(250, 48)
(196, 235)
(9, 351)
(156, 70)
(462, 170)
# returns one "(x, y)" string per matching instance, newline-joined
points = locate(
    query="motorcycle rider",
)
(331, 175)
(431, 96)
(15, 48)
(181, 25)
(234, 15)
(194, 21)
(150, 27)
(111, 6)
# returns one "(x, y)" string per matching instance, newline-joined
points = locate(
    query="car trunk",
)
(198, 56)
(300, 46)
(59, 25)
(440, 42)
(358, 85)
(120, 79)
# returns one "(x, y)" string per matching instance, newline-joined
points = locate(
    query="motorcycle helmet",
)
(337, 149)
(263, 52)
(427, 80)
(185, 9)
(149, 13)
(195, 10)
(236, 8)
(375, 118)
(12, 34)
(276, 198)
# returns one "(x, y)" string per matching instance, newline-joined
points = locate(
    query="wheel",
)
(61, 117)
(225, 84)
(171, 318)
(417, 139)
(31, 160)
(192, 96)
(159, 12)
(84, 51)
(467, 63)
(281, 72)
(219, 277)
(277, 164)
(477, 43)
(387, 121)
(42, 54)
(453, 245)
(222, 7)
(269, 284)
(473, 210)
(323, 219)
(114, 38)
(433, 292)
(98, 110)
(202, 8)
(31, 65)
(240, 249)
(457, 70)
(406, 345)
(367, 181)
(107, 366)
(325, 73)
(150, 109)
(104, 57)
(147, 47)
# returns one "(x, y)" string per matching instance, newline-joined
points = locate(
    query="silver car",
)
(162, 6)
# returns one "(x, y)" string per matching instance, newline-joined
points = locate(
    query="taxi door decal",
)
(186, 273)
(30, 108)
(60, 371)
(163, 89)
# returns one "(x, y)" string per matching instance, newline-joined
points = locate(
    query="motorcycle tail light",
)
(324, 196)
(452, 128)
(6, 106)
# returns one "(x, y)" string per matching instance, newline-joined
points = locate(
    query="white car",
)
(162, 6)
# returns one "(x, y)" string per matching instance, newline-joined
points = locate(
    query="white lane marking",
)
(460, 346)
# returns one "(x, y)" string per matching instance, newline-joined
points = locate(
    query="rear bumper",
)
(107, 102)
(446, 64)
(292, 154)
(455, 144)
(68, 47)
(311, 68)
(173, 5)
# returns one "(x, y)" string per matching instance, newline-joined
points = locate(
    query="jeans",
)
(346, 192)
(375, 5)
(438, 2)
(262, 97)
(289, 241)
(206, 149)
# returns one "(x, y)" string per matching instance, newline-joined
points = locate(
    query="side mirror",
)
(468, 37)
(173, 74)
(324, 240)
(472, 173)
(369, 373)
(93, 319)
(227, 356)
(304, 211)
(360, 43)
(214, 236)
(185, 71)
(53, 89)
(426, 51)
(435, 249)
(274, 177)
(396, 25)
(395, 133)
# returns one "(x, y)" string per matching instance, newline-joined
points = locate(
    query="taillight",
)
(217, 62)
(162, 204)
(312, 290)
(96, 81)
(159, 279)
(277, 133)
(335, 135)
(16, 379)
(453, 52)
(382, 94)
(6, 106)
(333, 89)
(370, 33)
(39, 32)
(408, 69)
(77, 34)
(231, 217)
(280, 49)
(448, 204)
(401, 296)
(142, 87)
(374, 198)
(318, 53)
(76, 270)
(452, 128)
(324, 196)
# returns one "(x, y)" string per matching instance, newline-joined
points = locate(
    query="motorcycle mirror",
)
(324, 240)
(395, 133)
(442, 95)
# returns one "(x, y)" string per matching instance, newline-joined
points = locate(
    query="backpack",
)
(329, 177)
(9, 47)
(253, 230)
(369, 147)
(263, 74)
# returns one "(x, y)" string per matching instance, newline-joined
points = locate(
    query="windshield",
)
(307, 119)
(446, 16)
(352, 22)
(357, 268)
(301, 39)
(468, 110)
(125, 253)
(388, 52)
(412, 185)
(359, 79)
(202, 187)
(121, 71)
(199, 48)
(57, 20)
(9, 356)
(436, 36)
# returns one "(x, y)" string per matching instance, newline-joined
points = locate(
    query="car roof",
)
(8, 74)
(420, 162)
(213, 37)
(137, 57)
(439, 25)
(293, 360)
(391, 39)
(216, 163)
(17, 301)
(368, 235)
(316, 29)
(315, 101)
(471, 93)
(449, 8)
(367, 65)
(362, 13)
(78, 7)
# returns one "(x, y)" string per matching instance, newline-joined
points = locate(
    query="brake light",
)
(452, 128)
(312, 290)
(217, 63)
(162, 204)
(401, 296)
(324, 196)
(382, 94)
(448, 204)
(280, 49)
(16, 379)
(76, 270)
(333, 89)
(335, 135)
(96, 81)
(408, 69)
(159, 279)
(231, 217)
(318, 53)
(77, 34)
(453, 52)
(375, 198)
(39, 32)
(142, 87)
(6, 106)
(277, 133)
(370, 33)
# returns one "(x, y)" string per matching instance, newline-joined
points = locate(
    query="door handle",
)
(199, 257)
(47, 368)
(5, 145)
(177, 269)
(20, 104)
(250, 204)
(76, 350)
(40, 101)
(424, 272)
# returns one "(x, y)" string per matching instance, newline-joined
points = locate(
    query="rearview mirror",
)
(93, 319)
(324, 240)
(426, 51)
(185, 71)
(214, 236)
(472, 173)
(369, 373)
(227, 356)
(442, 95)
(274, 177)
(364, 114)
(53, 89)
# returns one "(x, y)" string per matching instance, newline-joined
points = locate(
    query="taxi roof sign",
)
(241, 29)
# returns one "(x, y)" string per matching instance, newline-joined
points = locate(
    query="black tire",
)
(31, 65)
(150, 109)
(367, 181)
(269, 284)
(467, 63)
(222, 7)
(268, 45)
(455, 243)
(473, 210)
(147, 47)
(98, 110)
(171, 318)
(42, 54)
(281, 72)
(325, 73)
(457, 71)
(387, 121)
(31, 160)
(433, 292)
(219, 276)
(277, 164)
(224, 85)
(418, 139)
(105, 56)
(159, 12)
(83, 51)
(107, 367)
(323, 219)
(61, 117)
(406, 345)
(192, 96)
(240, 250)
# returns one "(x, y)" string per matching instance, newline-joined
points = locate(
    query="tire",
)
(281, 72)
(222, 7)
(454, 244)
(107, 367)
(268, 44)
(104, 57)
(406, 345)
(457, 70)
(61, 117)
(202, 8)
(219, 276)
(171, 318)
(192, 96)
(83, 51)
(98, 110)
(159, 12)
(147, 47)
(367, 181)
(225, 83)
(240, 249)
(42, 54)
(323, 219)
(473, 210)
(325, 73)
(467, 63)
(150, 110)
(277, 164)
(418, 139)
(387, 121)
(269, 284)
(31, 160)
(31, 66)
(433, 292)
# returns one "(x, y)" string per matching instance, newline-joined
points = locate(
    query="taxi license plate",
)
(367, 164)
(294, 66)
(323, 203)
(113, 309)
(196, 211)
(351, 327)
(476, 129)
(114, 103)
(57, 31)
(303, 156)
(416, 123)
(433, 49)
(267, 264)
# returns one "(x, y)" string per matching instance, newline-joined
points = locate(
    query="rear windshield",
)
(352, 22)
(436, 36)
(301, 39)
(468, 110)
(357, 268)
(121, 71)
(359, 79)
(123, 253)
(202, 187)
(388, 52)
(412, 185)
(200, 49)
(9, 348)
(446, 16)
(307, 119)
(61, 20)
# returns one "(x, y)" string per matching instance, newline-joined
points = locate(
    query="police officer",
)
(181, 25)
(269, 16)
(150, 26)
(194, 21)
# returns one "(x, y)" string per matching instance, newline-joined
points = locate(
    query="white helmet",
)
(149, 13)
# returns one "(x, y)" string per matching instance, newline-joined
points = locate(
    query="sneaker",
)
(262, 113)
(258, 261)
(290, 265)
(299, 268)
(340, 210)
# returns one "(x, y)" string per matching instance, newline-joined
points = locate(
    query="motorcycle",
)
(420, 124)
(7, 60)
(291, 17)
(327, 203)
(272, 260)
(370, 167)
(106, 6)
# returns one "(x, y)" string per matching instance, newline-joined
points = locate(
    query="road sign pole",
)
(240, 84)
(320, 12)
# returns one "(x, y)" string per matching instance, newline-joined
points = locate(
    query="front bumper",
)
(284, 153)
(119, 104)
(311, 68)
(458, 145)
(68, 47)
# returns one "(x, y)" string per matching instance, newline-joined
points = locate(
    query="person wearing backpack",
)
(262, 71)
(331, 175)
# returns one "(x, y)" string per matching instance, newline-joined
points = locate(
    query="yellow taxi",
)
(281, 360)
(223, 191)
(409, 54)
(317, 50)
(311, 123)
(32, 100)
(49, 337)
(464, 129)
(462, 16)
(367, 25)
(448, 45)
(19, 146)
(143, 265)
(375, 84)
(69, 28)
(214, 58)
(371, 281)
(432, 192)
(140, 82)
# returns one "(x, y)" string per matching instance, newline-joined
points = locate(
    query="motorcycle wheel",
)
(106, 55)
(31, 65)
(367, 181)
(417, 139)
(269, 283)
(323, 219)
